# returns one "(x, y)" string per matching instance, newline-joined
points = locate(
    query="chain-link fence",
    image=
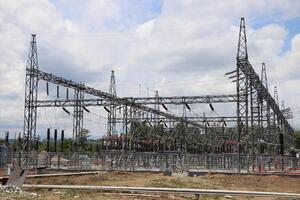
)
(150, 161)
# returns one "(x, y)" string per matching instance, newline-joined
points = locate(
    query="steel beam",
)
(95, 92)
(200, 119)
(175, 100)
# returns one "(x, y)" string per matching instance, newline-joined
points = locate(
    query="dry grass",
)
(218, 181)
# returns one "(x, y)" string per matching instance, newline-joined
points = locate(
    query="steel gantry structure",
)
(175, 100)
(134, 115)
(95, 92)
(33, 75)
(111, 119)
(253, 96)
(258, 120)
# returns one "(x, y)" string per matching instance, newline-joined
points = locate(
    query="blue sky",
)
(134, 12)
(292, 26)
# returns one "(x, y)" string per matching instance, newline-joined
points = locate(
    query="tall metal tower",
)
(77, 116)
(282, 106)
(31, 89)
(265, 109)
(156, 106)
(276, 120)
(242, 86)
(263, 77)
(276, 95)
(112, 114)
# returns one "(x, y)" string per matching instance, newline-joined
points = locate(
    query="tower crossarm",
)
(226, 98)
(225, 119)
(95, 92)
(175, 100)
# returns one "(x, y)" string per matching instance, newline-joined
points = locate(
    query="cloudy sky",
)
(178, 47)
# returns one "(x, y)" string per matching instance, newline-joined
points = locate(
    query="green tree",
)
(84, 134)
(297, 139)
(68, 145)
(82, 143)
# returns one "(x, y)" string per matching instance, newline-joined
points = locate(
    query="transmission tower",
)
(275, 119)
(78, 117)
(282, 105)
(156, 107)
(264, 78)
(31, 89)
(111, 126)
(265, 110)
(276, 95)
(242, 86)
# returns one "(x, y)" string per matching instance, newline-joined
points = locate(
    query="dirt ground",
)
(216, 181)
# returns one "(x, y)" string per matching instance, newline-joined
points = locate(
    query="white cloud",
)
(191, 42)
(287, 68)
(145, 30)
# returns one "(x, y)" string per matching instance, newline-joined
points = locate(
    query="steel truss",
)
(200, 119)
(253, 94)
(257, 113)
(176, 100)
(31, 94)
(77, 116)
(111, 122)
(40, 75)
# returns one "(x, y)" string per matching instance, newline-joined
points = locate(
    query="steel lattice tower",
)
(242, 85)
(156, 106)
(77, 116)
(282, 105)
(256, 101)
(255, 107)
(276, 95)
(263, 77)
(112, 114)
(265, 109)
(31, 89)
(276, 120)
